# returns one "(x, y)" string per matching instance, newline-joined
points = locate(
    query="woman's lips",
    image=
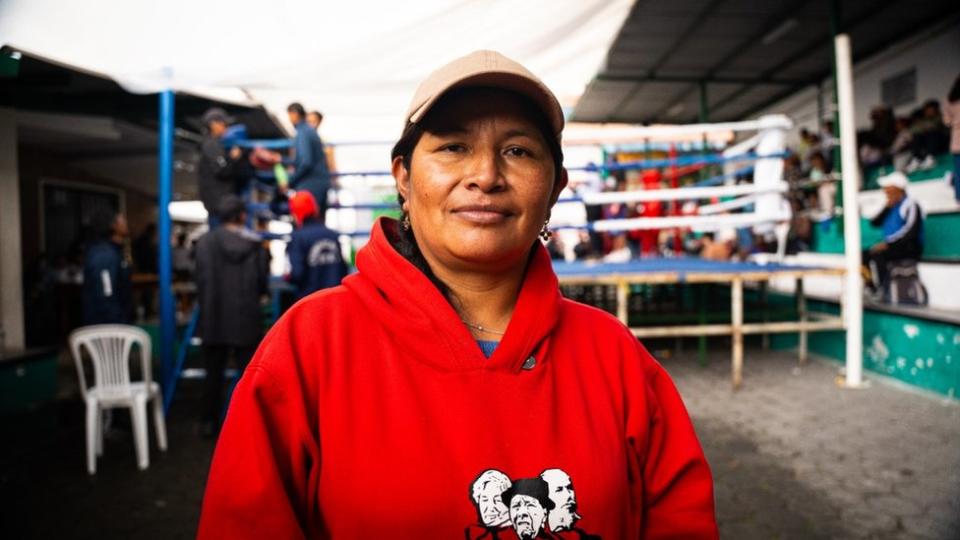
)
(483, 214)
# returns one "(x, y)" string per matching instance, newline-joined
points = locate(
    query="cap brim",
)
(507, 81)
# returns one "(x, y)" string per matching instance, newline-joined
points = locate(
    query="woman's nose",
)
(485, 171)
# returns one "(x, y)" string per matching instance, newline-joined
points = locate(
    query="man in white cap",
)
(902, 223)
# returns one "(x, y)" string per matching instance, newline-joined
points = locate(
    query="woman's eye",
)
(455, 148)
(516, 151)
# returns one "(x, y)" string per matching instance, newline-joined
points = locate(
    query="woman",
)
(446, 389)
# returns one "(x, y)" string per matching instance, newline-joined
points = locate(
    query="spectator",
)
(315, 118)
(316, 261)
(231, 277)
(826, 187)
(902, 223)
(902, 142)
(875, 143)
(929, 138)
(648, 238)
(107, 289)
(806, 146)
(828, 141)
(219, 172)
(951, 117)
(800, 237)
(182, 258)
(309, 170)
(144, 250)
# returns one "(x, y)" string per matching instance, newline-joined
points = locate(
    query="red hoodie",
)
(369, 411)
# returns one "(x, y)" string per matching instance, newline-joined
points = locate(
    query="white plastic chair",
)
(109, 347)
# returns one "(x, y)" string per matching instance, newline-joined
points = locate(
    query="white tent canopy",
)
(358, 61)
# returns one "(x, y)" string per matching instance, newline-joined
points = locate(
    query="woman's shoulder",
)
(296, 341)
(580, 321)
(595, 319)
(324, 303)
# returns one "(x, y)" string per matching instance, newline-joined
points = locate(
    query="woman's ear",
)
(401, 175)
(558, 187)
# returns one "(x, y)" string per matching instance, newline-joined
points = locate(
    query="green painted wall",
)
(918, 352)
(941, 231)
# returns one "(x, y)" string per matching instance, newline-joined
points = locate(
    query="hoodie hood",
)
(424, 323)
(236, 244)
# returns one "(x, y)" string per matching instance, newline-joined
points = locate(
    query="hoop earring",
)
(545, 233)
(405, 221)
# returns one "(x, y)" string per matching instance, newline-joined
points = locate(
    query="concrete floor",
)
(793, 456)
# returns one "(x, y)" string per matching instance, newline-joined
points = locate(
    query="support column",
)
(11, 260)
(836, 26)
(802, 314)
(853, 282)
(736, 316)
(164, 195)
(623, 297)
(765, 307)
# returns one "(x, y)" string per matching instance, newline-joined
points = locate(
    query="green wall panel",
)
(919, 352)
(941, 231)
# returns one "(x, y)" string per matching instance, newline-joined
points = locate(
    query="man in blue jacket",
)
(902, 223)
(316, 261)
(310, 171)
(107, 289)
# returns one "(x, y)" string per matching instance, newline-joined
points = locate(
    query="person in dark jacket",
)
(107, 289)
(219, 172)
(902, 223)
(310, 170)
(232, 271)
(316, 261)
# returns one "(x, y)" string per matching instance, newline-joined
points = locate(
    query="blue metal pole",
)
(165, 192)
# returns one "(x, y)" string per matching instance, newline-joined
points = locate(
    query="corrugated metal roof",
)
(745, 53)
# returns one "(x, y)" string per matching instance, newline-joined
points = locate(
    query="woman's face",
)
(480, 184)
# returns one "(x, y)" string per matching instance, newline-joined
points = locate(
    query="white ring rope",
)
(679, 194)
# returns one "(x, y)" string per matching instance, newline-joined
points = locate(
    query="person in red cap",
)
(316, 261)
(649, 238)
(371, 409)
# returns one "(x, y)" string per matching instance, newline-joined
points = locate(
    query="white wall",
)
(11, 283)
(935, 53)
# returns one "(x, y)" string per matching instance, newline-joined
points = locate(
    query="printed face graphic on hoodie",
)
(480, 183)
(527, 516)
(560, 491)
(487, 492)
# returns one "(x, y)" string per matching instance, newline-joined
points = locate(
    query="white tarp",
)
(358, 61)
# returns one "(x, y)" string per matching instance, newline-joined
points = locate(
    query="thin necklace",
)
(482, 329)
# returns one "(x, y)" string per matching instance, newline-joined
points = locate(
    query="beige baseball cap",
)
(485, 68)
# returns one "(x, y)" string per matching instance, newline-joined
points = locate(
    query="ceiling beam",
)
(822, 39)
(768, 23)
(662, 59)
(944, 17)
(765, 78)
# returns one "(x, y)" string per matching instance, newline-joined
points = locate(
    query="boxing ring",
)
(746, 191)
(699, 271)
